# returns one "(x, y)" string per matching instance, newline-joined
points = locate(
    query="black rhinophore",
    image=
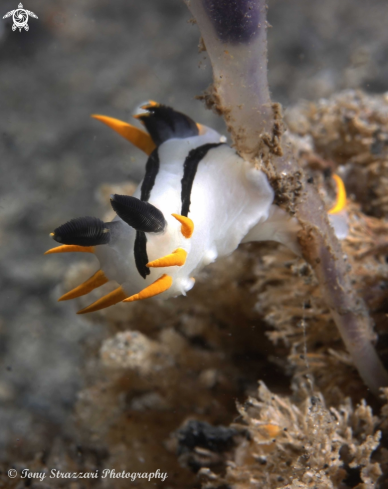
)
(235, 21)
(141, 215)
(83, 231)
(165, 123)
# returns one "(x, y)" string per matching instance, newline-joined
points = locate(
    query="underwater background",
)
(57, 163)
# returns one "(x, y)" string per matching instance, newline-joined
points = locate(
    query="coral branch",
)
(234, 32)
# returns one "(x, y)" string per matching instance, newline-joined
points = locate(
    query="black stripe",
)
(140, 248)
(152, 169)
(189, 171)
(141, 257)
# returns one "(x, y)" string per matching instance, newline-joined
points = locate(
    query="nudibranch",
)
(198, 201)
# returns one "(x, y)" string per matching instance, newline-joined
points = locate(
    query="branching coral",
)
(300, 445)
(235, 37)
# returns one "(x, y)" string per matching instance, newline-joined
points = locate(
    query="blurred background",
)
(83, 57)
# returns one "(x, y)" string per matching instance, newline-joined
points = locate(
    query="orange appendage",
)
(71, 249)
(187, 228)
(176, 258)
(110, 299)
(341, 196)
(98, 279)
(137, 137)
(160, 285)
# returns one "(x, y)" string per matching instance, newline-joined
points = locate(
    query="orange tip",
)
(341, 196)
(201, 129)
(187, 228)
(92, 283)
(160, 285)
(134, 135)
(141, 116)
(108, 300)
(151, 103)
(70, 249)
(176, 258)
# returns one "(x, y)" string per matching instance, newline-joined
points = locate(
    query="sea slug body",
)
(198, 201)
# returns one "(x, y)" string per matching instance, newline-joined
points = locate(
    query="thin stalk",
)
(235, 36)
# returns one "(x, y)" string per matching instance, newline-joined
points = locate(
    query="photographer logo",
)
(20, 17)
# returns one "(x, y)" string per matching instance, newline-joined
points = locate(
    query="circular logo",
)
(20, 18)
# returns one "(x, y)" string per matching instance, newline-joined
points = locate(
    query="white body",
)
(229, 199)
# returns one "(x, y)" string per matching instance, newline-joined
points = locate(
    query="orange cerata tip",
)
(187, 227)
(108, 300)
(160, 285)
(341, 196)
(176, 258)
(92, 283)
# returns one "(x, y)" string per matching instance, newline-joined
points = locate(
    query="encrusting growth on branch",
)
(235, 35)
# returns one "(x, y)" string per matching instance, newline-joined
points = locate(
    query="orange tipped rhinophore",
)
(341, 196)
(187, 228)
(136, 136)
(149, 104)
(70, 249)
(98, 279)
(176, 258)
(110, 299)
(160, 285)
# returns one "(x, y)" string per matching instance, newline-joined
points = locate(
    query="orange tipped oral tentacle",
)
(176, 258)
(92, 283)
(70, 249)
(341, 196)
(118, 295)
(136, 136)
(160, 285)
(187, 228)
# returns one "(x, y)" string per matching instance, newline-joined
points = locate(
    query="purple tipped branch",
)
(235, 36)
